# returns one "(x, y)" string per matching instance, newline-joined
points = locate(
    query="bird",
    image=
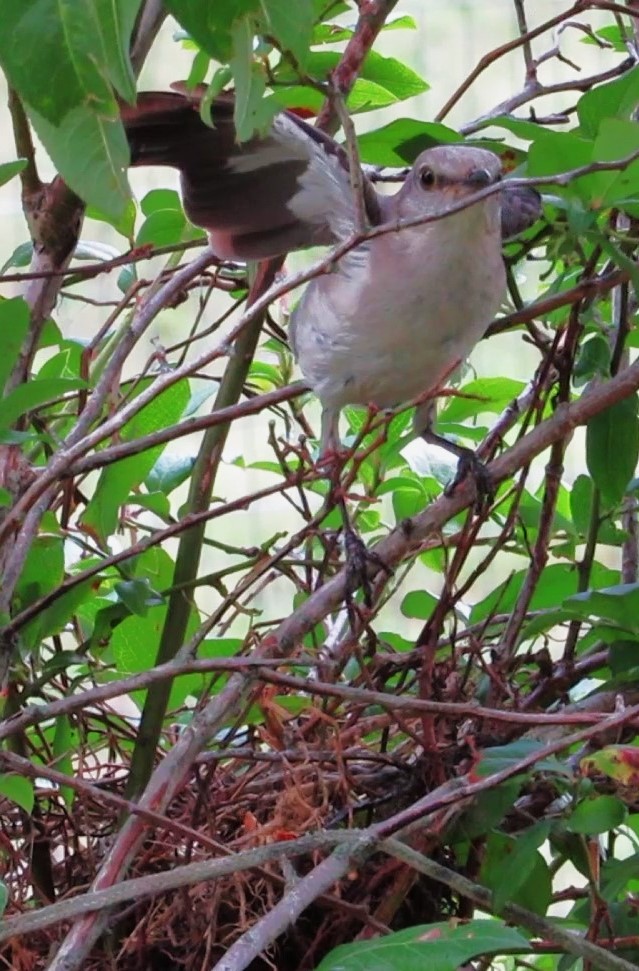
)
(399, 311)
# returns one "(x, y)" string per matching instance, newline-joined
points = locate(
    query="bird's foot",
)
(362, 565)
(470, 465)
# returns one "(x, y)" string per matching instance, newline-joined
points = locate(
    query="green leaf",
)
(18, 790)
(419, 604)
(117, 481)
(615, 99)
(4, 897)
(487, 810)
(485, 395)
(400, 142)
(65, 741)
(95, 168)
(34, 394)
(53, 56)
(598, 815)
(9, 169)
(251, 111)
(515, 870)
(291, 24)
(557, 582)
(612, 448)
(169, 472)
(43, 570)
(14, 324)
(162, 228)
(438, 947)
(581, 498)
(209, 24)
(616, 140)
(619, 604)
(54, 618)
(554, 152)
(137, 595)
(116, 19)
(501, 757)
(135, 643)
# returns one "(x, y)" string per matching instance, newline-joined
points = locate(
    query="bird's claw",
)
(360, 562)
(470, 465)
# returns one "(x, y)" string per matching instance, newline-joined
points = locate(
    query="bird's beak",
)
(479, 179)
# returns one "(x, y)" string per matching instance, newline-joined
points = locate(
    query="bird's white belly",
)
(383, 339)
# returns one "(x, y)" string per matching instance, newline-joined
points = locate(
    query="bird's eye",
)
(427, 177)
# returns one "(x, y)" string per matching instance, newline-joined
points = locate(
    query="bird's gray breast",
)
(392, 320)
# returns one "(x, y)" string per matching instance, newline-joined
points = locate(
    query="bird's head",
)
(445, 175)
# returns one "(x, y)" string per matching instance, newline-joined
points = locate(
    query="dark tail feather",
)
(164, 128)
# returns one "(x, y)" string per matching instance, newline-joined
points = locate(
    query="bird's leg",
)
(469, 463)
(359, 559)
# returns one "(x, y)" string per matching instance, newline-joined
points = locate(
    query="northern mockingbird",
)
(399, 311)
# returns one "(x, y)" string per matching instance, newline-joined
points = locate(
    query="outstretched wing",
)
(286, 190)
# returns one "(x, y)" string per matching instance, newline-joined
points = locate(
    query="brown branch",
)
(372, 16)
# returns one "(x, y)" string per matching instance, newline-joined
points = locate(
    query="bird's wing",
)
(286, 190)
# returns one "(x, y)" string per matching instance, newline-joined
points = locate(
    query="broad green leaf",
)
(4, 897)
(43, 570)
(162, 228)
(117, 481)
(619, 604)
(90, 151)
(618, 877)
(408, 500)
(21, 256)
(487, 810)
(158, 199)
(291, 24)
(581, 498)
(53, 56)
(401, 141)
(437, 947)
(593, 360)
(116, 19)
(520, 866)
(169, 472)
(612, 448)
(557, 582)
(135, 644)
(612, 35)
(18, 790)
(515, 870)
(9, 169)
(137, 595)
(490, 395)
(54, 618)
(614, 99)
(501, 757)
(554, 152)
(210, 24)
(389, 75)
(419, 604)
(34, 394)
(251, 111)
(617, 140)
(14, 324)
(598, 815)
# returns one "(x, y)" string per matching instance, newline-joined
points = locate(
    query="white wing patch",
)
(324, 195)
